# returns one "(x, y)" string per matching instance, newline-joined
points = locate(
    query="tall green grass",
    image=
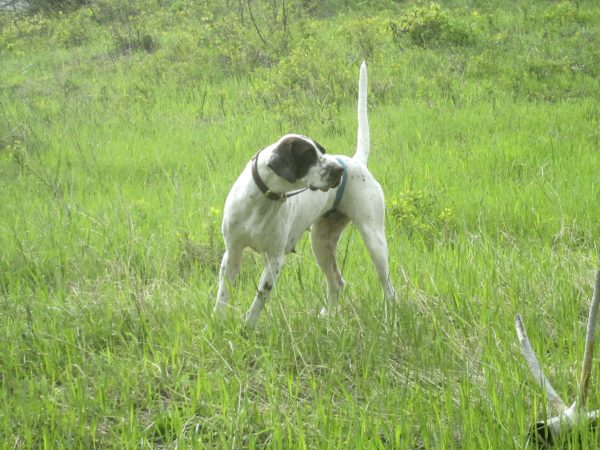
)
(116, 157)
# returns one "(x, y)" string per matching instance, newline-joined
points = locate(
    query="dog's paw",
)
(250, 321)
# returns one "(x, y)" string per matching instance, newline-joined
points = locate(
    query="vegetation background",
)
(124, 123)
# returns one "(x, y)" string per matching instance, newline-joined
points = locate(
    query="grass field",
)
(123, 126)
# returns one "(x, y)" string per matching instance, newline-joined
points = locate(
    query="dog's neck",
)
(271, 185)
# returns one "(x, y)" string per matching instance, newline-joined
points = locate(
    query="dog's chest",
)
(266, 225)
(252, 220)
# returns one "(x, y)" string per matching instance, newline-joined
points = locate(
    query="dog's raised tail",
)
(363, 143)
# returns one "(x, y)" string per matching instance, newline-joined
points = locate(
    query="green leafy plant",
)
(74, 29)
(55, 6)
(431, 25)
(134, 38)
(566, 12)
(421, 214)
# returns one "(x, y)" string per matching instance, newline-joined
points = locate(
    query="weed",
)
(429, 26)
(131, 38)
(421, 215)
(74, 29)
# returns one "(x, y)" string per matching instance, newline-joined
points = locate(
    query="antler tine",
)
(535, 368)
(586, 369)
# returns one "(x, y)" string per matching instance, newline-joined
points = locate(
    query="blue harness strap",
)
(340, 190)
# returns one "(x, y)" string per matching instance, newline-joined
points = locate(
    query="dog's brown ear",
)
(282, 162)
(320, 147)
(292, 158)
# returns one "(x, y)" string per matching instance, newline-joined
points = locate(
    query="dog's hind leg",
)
(374, 237)
(230, 268)
(273, 267)
(324, 236)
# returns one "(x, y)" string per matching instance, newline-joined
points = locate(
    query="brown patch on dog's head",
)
(293, 157)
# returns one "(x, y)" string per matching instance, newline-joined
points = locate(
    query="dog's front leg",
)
(273, 266)
(230, 267)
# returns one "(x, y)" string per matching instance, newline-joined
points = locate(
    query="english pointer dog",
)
(292, 186)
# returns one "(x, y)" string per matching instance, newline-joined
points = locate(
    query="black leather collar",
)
(279, 196)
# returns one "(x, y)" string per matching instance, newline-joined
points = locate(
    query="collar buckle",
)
(278, 196)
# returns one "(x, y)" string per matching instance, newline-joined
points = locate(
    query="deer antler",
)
(546, 431)
(535, 368)
(586, 369)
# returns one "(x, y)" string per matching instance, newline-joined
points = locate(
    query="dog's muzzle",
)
(336, 176)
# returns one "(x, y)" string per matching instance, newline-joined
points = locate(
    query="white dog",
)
(291, 186)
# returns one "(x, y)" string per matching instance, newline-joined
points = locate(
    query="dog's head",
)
(301, 160)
